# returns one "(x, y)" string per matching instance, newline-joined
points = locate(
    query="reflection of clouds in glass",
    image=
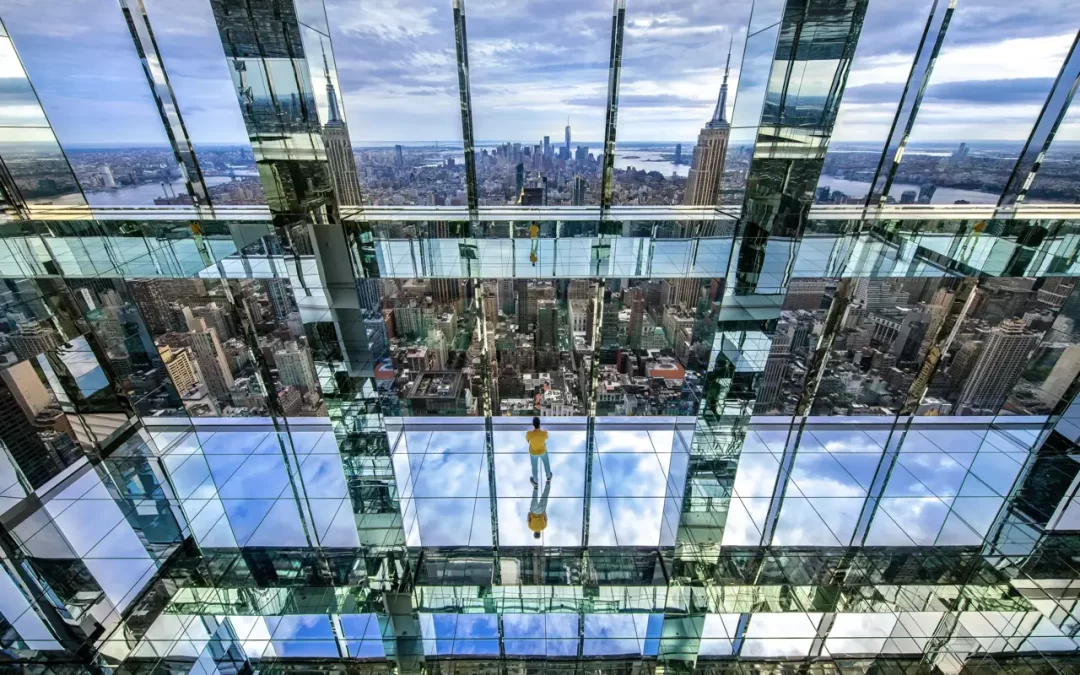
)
(253, 634)
(257, 476)
(564, 519)
(860, 633)
(98, 533)
(756, 475)
(109, 101)
(717, 633)
(540, 635)
(265, 522)
(190, 46)
(937, 474)
(780, 635)
(363, 635)
(302, 636)
(512, 473)
(398, 72)
(820, 475)
(449, 634)
(442, 476)
(623, 475)
(817, 522)
(920, 519)
(745, 521)
(637, 521)
(617, 634)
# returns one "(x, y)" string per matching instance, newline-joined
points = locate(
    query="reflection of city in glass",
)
(393, 415)
(196, 329)
(946, 173)
(889, 329)
(119, 177)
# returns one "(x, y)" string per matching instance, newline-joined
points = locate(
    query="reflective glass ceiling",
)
(789, 285)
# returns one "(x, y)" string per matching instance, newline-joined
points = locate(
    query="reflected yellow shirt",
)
(537, 521)
(537, 439)
(534, 231)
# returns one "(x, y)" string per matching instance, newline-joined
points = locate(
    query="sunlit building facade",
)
(808, 382)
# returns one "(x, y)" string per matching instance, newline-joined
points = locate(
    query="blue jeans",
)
(547, 464)
(539, 504)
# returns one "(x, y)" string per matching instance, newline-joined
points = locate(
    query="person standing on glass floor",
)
(537, 439)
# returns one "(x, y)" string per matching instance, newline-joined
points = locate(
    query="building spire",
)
(331, 94)
(719, 118)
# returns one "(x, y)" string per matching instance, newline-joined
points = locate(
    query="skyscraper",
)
(339, 154)
(994, 375)
(678, 153)
(547, 325)
(636, 299)
(181, 370)
(295, 368)
(32, 339)
(22, 397)
(578, 198)
(707, 165)
(280, 297)
(212, 362)
(568, 137)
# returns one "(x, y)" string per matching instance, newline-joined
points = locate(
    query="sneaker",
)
(549, 476)
(533, 481)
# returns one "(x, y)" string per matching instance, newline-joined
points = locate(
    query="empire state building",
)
(335, 134)
(707, 165)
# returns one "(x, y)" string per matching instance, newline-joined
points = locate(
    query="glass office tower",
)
(791, 286)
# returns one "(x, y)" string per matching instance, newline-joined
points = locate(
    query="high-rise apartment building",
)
(295, 368)
(31, 339)
(181, 369)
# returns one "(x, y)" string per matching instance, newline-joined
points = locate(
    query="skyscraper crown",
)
(331, 93)
(719, 118)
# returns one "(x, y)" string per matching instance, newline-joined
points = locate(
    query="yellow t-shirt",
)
(537, 521)
(537, 439)
(534, 231)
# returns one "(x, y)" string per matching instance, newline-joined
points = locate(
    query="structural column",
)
(270, 72)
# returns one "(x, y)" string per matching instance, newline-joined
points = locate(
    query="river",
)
(943, 195)
(648, 160)
(143, 195)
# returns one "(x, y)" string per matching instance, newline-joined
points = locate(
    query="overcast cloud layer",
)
(532, 65)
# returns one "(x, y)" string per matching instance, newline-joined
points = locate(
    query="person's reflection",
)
(534, 234)
(971, 240)
(538, 510)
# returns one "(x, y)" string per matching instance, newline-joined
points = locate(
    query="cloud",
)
(532, 64)
(1011, 91)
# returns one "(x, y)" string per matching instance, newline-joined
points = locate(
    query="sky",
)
(533, 65)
